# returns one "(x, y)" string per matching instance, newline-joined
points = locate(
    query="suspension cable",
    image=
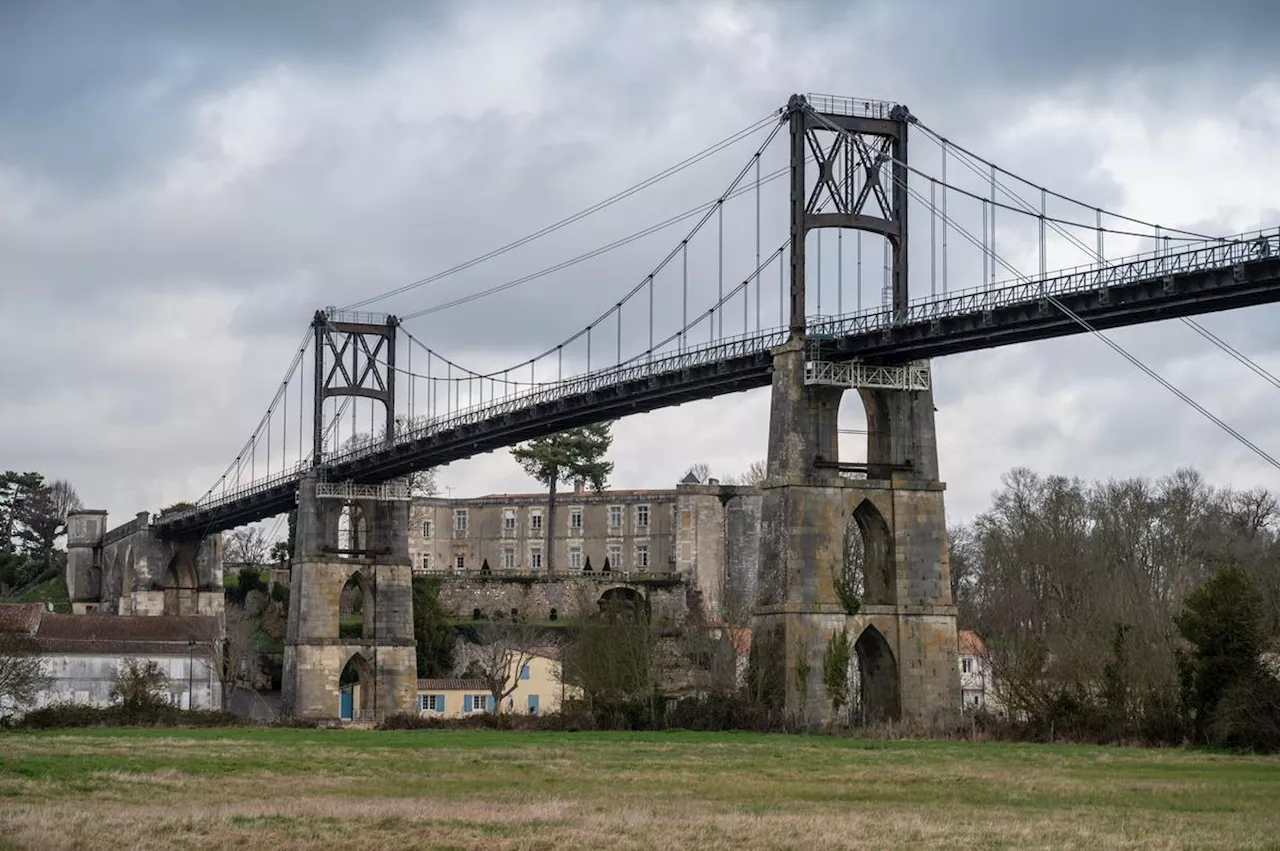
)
(744, 133)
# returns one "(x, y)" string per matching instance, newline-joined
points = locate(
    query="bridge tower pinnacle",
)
(853, 548)
(862, 138)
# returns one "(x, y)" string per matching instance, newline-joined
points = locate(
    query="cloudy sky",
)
(183, 183)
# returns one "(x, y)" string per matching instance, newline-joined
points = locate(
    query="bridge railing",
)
(1199, 257)
(636, 369)
(1218, 253)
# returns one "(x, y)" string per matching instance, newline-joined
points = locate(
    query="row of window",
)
(471, 703)
(576, 562)
(462, 519)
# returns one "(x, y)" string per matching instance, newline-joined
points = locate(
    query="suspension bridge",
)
(812, 286)
(848, 168)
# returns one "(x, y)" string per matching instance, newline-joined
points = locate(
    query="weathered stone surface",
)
(130, 570)
(905, 631)
(315, 655)
(534, 600)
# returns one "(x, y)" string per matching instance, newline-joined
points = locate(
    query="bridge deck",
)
(1209, 277)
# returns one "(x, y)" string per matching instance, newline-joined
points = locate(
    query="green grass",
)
(318, 788)
(53, 591)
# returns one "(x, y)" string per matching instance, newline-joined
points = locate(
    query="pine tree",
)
(574, 454)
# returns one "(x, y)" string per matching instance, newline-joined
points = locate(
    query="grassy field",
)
(326, 789)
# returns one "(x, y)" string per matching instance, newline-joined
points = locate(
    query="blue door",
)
(533, 704)
(345, 705)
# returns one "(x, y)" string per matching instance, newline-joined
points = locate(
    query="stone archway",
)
(877, 678)
(869, 556)
(356, 598)
(357, 686)
(621, 601)
(180, 585)
(353, 530)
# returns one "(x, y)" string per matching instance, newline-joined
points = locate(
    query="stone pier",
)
(893, 525)
(372, 553)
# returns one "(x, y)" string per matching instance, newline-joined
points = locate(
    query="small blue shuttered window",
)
(524, 672)
(466, 703)
(533, 704)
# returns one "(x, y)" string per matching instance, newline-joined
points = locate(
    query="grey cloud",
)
(165, 325)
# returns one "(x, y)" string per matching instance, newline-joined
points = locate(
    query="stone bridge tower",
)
(370, 556)
(354, 538)
(816, 517)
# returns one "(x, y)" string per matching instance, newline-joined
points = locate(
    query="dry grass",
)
(340, 789)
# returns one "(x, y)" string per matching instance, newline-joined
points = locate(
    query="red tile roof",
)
(971, 643)
(20, 617)
(452, 684)
(127, 628)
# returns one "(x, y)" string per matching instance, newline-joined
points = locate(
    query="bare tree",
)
(755, 474)
(229, 653)
(700, 471)
(246, 545)
(504, 651)
(22, 672)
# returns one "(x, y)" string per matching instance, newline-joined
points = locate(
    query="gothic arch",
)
(128, 576)
(357, 596)
(869, 555)
(353, 529)
(180, 585)
(358, 671)
(877, 678)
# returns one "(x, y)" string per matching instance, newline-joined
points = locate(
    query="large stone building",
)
(695, 542)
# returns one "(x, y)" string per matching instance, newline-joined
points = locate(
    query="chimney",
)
(578, 486)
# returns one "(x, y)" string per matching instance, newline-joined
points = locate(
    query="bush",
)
(66, 715)
(1248, 716)
(140, 685)
(723, 712)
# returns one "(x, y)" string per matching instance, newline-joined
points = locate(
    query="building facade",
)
(697, 536)
(976, 691)
(83, 654)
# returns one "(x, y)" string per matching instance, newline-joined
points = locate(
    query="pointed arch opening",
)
(356, 687)
(353, 531)
(877, 698)
(868, 556)
(356, 608)
(124, 604)
(180, 585)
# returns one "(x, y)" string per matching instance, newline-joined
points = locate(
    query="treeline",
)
(33, 516)
(1132, 609)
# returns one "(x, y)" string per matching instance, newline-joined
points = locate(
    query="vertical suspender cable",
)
(758, 281)
(1044, 268)
(944, 217)
(720, 263)
(993, 224)
(684, 311)
(819, 274)
(840, 272)
(933, 237)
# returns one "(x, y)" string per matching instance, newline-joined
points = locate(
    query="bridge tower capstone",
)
(866, 556)
(350, 535)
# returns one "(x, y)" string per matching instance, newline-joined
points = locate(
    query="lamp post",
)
(191, 654)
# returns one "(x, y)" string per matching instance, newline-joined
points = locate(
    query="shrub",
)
(140, 685)
(66, 715)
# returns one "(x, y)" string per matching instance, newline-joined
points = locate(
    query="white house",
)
(975, 673)
(83, 653)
